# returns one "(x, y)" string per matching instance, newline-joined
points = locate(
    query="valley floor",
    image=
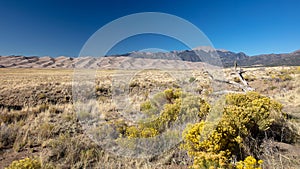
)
(38, 118)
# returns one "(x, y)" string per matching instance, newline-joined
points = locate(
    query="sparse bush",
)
(120, 126)
(8, 134)
(74, 151)
(43, 107)
(102, 90)
(54, 110)
(249, 78)
(41, 96)
(84, 115)
(285, 77)
(45, 130)
(134, 84)
(12, 116)
(236, 79)
(146, 106)
(149, 108)
(192, 79)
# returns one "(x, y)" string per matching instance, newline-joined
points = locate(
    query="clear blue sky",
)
(58, 27)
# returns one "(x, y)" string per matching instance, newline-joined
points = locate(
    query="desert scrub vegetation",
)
(232, 142)
(235, 140)
(47, 129)
(52, 136)
(282, 75)
(166, 109)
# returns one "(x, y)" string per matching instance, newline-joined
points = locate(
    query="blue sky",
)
(57, 27)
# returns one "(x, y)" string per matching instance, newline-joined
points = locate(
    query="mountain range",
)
(186, 58)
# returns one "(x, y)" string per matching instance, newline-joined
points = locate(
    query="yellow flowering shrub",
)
(25, 163)
(249, 163)
(132, 132)
(210, 160)
(149, 132)
(244, 115)
(206, 145)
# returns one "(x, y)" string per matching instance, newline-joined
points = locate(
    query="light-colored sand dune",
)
(120, 62)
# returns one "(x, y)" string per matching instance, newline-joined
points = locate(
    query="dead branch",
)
(239, 73)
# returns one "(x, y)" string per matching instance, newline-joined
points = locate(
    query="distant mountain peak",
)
(296, 51)
(205, 48)
(223, 50)
(209, 49)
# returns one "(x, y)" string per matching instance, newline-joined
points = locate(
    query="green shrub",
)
(192, 79)
(149, 108)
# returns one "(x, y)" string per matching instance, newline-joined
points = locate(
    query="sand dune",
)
(120, 62)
